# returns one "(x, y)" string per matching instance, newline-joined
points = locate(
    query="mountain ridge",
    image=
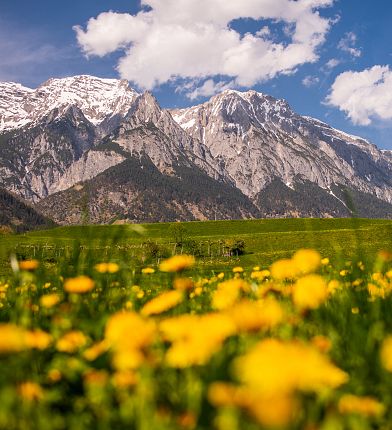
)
(250, 145)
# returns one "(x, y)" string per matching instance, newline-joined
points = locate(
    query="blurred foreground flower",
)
(177, 263)
(12, 338)
(30, 391)
(275, 367)
(307, 260)
(386, 353)
(310, 292)
(195, 338)
(107, 267)
(162, 302)
(366, 406)
(28, 265)
(78, 285)
(71, 342)
(49, 300)
(128, 334)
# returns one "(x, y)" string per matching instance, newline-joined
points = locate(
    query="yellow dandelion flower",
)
(222, 275)
(355, 310)
(195, 338)
(135, 289)
(310, 292)
(71, 342)
(377, 276)
(12, 338)
(365, 406)
(325, 261)
(162, 303)
(49, 300)
(124, 379)
(28, 265)
(177, 263)
(54, 375)
(38, 339)
(254, 315)
(107, 267)
(128, 305)
(148, 271)
(271, 411)
(140, 294)
(307, 260)
(96, 350)
(78, 285)
(30, 391)
(127, 359)
(333, 286)
(357, 282)
(238, 269)
(386, 353)
(376, 291)
(121, 324)
(198, 291)
(275, 367)
(260, 274)
(227, 293)
(183, 284)
(284, 269)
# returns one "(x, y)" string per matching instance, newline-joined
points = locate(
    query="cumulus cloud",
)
(194, 40)
(310, 81)
(364, 96)
(348, 44)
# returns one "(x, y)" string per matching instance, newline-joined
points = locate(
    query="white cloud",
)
(348, 44)
(193, 39)
(209, 88)
(364, 96)
(310, 81)
(332, 63)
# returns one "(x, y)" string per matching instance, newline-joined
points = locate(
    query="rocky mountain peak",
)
(145, 109)
(98, 99)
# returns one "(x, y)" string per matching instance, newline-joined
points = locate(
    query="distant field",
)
(265, 240)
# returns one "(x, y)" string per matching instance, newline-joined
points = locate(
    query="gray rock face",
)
(255, 138)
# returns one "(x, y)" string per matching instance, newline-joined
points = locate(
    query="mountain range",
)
(85, 149)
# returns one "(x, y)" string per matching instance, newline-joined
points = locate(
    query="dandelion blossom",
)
(163, 302)
(177, 263)
(79, 285)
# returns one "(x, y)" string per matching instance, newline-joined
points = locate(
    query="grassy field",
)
(265, 240)
(101, 329)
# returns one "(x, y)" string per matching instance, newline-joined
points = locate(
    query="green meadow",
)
(264, 241)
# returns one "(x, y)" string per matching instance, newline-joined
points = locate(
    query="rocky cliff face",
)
(237, 155)
(258, 138)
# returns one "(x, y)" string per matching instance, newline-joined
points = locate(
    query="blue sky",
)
(37, 41)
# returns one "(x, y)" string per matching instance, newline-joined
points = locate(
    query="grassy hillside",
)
(265, 240)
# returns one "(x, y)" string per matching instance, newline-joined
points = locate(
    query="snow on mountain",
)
(98, 99)
(69, 131)
(258, 138)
